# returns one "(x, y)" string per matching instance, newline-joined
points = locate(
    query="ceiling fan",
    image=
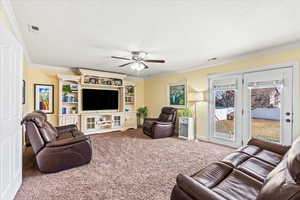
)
(138, 60)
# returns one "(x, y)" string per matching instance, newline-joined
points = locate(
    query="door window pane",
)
(225, 113)
(265, 113)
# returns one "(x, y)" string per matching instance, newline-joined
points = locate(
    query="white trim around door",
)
(241, 74)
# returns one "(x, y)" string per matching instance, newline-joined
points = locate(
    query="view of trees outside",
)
(265, 112)
(224, 113)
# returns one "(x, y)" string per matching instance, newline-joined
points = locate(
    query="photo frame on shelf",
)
(44, 98)
(177, 94)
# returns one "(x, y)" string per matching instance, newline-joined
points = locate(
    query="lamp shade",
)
(196, 96)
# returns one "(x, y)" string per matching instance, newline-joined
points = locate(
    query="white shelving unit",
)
(70, 111)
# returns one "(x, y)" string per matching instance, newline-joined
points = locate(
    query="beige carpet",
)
(125, 165)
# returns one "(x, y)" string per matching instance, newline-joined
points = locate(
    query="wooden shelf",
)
(99, 85)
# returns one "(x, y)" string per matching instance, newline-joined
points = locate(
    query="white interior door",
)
(10, 114)
(225, 110)
(268, 105)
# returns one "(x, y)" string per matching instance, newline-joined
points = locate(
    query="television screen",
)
(93, 99)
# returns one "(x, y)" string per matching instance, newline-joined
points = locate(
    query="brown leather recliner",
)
(163, 126)
(57, 148)
(261, 170)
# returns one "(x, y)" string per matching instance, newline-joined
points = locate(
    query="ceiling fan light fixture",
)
(137, 66)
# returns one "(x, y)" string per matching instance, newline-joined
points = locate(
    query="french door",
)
(252, 104)
(268, 105)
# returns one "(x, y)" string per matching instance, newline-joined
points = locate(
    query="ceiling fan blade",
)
(126, 64)
(155, 61)
(146, 67)
(116, 57)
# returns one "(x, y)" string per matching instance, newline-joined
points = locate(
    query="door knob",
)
(288, 120)
(288, 113)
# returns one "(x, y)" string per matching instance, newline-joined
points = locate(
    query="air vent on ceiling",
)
(212, 59)
(33, 28)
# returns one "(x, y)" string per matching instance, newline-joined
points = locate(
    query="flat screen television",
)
(93, 99)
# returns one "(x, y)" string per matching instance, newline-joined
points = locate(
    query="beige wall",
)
(35, 75)
(156, 88)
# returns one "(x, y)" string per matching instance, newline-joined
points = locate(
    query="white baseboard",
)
(203, 138)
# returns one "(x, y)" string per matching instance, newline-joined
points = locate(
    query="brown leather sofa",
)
(57, 148)
(163, 126)
(260, 170)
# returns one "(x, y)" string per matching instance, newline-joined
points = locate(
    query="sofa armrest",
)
(67, 128)
(68, 141)
(270, 146)
(195, 189)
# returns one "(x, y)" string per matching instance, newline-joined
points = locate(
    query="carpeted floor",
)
(125, 165)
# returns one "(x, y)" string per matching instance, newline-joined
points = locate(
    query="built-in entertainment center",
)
(97, 102)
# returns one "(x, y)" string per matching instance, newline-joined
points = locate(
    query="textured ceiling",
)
(85, 33)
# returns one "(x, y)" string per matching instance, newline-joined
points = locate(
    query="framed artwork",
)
(44, 98)
(23, 92)
(177, 95)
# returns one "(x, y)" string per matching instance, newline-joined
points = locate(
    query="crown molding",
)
(10, 14)
(50, 67)
(262, 52)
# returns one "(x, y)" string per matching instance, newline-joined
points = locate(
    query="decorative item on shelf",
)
(44, 98)
(177, 95)
(93, 81)
(67, 89)
(74, 87)
(108, 82)
(73, 110)
(118, 82)
(64, 110)
(141, 114)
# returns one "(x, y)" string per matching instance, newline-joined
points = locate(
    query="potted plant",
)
(66, 90)
(141, 114)
(186, 112)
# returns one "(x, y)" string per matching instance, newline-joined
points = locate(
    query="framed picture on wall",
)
(177, 95)
(44, 98)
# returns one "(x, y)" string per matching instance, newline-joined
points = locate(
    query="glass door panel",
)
(225, 110)
(265, 113)
(268, 105)
(225, 114)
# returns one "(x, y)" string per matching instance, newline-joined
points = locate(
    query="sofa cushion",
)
(256, 168)
(269, 157)
(236, 158)
(212, 174)
(238, 186)
(249, 149)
